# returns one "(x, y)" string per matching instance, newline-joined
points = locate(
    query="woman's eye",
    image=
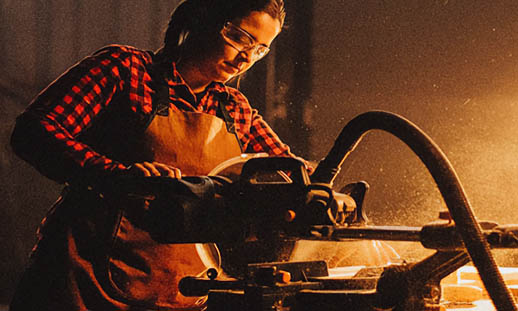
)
(239, 38)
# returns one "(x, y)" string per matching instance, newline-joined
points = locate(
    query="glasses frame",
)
(257, 50)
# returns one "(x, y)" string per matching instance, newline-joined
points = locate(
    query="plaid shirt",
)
(48, 132)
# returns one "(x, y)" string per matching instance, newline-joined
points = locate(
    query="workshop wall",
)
(449, 66)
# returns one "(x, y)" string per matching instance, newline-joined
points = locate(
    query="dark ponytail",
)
(185, 22)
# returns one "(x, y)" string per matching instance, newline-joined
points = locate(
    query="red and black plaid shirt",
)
(71, 104)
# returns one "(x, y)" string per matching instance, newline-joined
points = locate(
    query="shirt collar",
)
(177, 81)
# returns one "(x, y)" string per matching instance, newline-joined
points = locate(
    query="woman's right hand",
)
(148, 169)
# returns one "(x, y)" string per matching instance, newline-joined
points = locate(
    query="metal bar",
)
(389, 233)
(451, 266)
(434, 237)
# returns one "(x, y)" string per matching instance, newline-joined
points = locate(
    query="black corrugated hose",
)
(445, 178)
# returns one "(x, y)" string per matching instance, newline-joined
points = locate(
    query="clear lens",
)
(242, 41)
(260, 51)
(238, 37)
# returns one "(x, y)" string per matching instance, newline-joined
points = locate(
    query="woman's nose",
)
(246, 56)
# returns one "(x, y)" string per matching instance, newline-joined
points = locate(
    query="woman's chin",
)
(224, 77)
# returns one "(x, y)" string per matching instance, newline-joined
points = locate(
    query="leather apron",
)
(94, 251)
(195, 143)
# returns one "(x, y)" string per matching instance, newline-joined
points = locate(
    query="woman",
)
(125, 112)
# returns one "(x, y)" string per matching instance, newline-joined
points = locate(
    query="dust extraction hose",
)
(445, 178)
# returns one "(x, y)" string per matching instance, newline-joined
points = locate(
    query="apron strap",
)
(229, 121)
(160, 99)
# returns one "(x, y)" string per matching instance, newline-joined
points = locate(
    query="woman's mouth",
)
(234, 68)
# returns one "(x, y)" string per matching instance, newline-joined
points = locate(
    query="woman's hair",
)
(195, 22)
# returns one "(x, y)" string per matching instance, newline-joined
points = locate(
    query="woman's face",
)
(225, 61)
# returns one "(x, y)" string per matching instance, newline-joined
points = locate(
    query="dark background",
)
(450, 66)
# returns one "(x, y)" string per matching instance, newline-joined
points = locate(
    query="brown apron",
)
(95, 254)
(195, 143)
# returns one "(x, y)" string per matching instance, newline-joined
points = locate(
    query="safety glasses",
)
(242, 41)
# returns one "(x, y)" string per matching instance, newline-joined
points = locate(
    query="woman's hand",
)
(148, 169)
